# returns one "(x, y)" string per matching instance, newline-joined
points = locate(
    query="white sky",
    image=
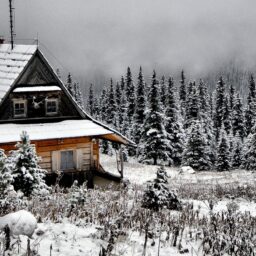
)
(105, 36)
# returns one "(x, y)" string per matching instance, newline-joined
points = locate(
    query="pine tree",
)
(6, 178)
(111, 105)
(219, 107)
(24, 165)
(158, 195)
(192, 105)
(153, 144)
(122, 84)
(250, 111)
(223, 157)
(69, 84)
(237, 158)
(231, 97)
(250, 151)
(196, 152)
(91, 101)
(140, 107)
(238, 118)
(78, 94)
(103, 105)
(130, 95)
(173, 126)
(227, 116)
(163, 91)
(183, 94)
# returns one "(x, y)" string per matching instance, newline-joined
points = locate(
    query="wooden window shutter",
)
(79, 159)
(55, 161)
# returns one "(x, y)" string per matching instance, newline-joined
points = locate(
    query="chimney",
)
(1, 39)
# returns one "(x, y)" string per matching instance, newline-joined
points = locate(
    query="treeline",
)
(180, 123)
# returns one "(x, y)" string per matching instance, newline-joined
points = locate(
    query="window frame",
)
(57, 107)
(20, 101)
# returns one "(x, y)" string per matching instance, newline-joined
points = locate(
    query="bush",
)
(158, 195)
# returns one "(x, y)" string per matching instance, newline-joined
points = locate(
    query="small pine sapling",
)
(158, 195)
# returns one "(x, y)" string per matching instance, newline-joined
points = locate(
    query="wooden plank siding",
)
(87, 149)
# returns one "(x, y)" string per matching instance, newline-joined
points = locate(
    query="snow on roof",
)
(12, 63)
(64, 129)
(37, 89)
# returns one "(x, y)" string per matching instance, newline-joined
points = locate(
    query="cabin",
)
(35, 100)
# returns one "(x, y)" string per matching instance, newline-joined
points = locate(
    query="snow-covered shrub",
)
(158, 195)
(78, 193)
(5, 175)
(23, 164)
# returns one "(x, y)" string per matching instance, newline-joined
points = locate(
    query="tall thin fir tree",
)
(140, 108)
(130, 95)
(250, 151)
(237, 153)
(192, 105)
(163, 91)
(153, 146)
(238, 118)
(173, 126)
(111, 106)
(118, 98)
(219, 107)
(205, 117)
(227, 120)
(231, 97)
(250, 111)
(103, 105)
(91, 101)
(223, 154)
(183, 94)
(69, 84)
(196, 152)
(78, 95)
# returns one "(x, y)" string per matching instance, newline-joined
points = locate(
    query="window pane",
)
(67, 160)
(51, 106)
(19, 108)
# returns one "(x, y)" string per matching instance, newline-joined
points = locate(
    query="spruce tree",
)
(223, 156)
(130, 95)
(250, 151)
(173, 126)
(153, 144)
(231, 97)
(69, 84)
(238, 118)
(237, 158)
(111, 105)
(192, 105)
(183, 93)
(6, 178)
(252, 90)
(78, 94)
(219, 107)
(24, 165)
(140, 107)
(90, 102)
(103, 105)
(227, 116)
(163, 91)
(196, 152)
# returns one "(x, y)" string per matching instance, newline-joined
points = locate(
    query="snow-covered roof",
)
(64, 129)
(37, 89)
(12, 63)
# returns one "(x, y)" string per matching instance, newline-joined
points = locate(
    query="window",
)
(51, 106)
(20, 108)
(67, 160)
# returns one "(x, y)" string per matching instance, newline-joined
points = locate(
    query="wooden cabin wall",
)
(87, 149)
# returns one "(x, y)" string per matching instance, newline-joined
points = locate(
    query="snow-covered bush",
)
(5, 175)
(78, 193)
(158, 195)
(23, 164)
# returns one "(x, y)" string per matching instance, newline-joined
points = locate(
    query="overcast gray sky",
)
(105, 36)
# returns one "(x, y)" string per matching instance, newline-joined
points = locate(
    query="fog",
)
(98, 39)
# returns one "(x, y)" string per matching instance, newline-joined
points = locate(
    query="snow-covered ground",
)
(141, 173)
(61, 235)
